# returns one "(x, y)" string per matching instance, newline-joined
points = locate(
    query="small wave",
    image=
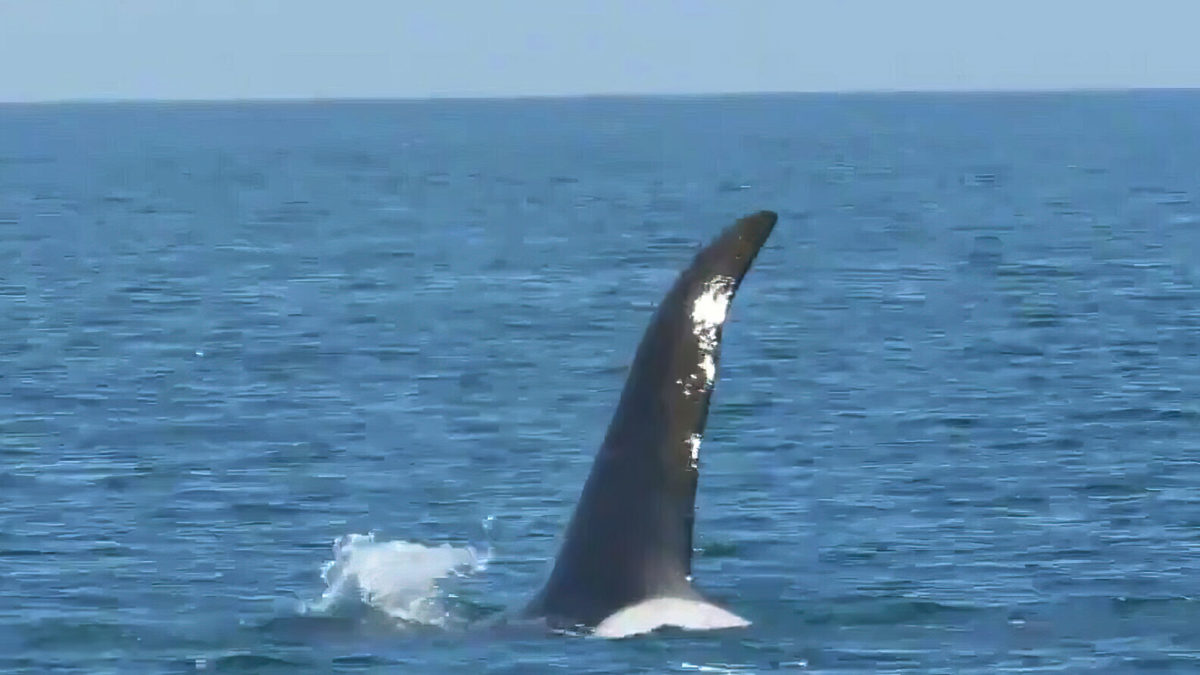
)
(398, 578)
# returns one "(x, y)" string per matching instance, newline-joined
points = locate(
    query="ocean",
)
(314, 386)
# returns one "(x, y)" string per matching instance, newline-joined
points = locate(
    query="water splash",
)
(398, 578)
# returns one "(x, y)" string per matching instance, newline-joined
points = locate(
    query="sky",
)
(252, 49)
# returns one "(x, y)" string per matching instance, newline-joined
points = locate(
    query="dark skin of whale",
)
(630, 538)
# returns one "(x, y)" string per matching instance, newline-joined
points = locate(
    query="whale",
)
(624, 566)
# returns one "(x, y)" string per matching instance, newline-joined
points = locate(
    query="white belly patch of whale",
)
(656, 613)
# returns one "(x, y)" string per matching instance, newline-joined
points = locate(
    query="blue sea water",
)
(956, 427)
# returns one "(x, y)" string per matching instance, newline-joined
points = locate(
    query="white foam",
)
(398, 578)
(694, 448)
(709, 312)
(712, 306)
(657, 613)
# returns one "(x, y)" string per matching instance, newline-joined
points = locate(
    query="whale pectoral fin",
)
(656, 613)
(627, 552)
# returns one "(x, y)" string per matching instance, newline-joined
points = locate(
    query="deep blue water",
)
(956, 427)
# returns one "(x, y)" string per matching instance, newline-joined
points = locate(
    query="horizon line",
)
(85, 100)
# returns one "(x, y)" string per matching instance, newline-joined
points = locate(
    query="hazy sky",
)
(177, 49)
